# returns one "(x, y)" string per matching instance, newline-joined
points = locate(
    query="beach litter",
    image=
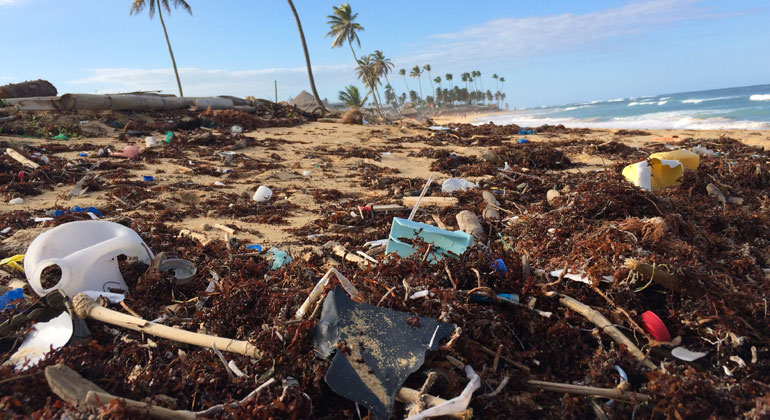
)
(457, 184)
(375, 349)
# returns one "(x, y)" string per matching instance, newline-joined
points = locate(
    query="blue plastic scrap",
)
(444, 242)
(12, 295)
(280, 257)
(499, 266)
(482, 298)
(523, 140)
(254, 247)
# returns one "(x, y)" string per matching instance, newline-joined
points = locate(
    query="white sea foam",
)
(697, 101)
(759, 98)
(662, 102)
(652, 121)
(640, 103)
(617, 100)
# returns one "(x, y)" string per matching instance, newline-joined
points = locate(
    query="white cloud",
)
(9, 2)
(203, 82)
(508, 39)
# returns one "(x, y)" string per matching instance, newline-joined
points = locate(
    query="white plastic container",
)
(263, 194)
(150, 142)
(86, 252)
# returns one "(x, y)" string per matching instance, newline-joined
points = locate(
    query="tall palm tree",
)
(307, 59)
(438, 81)
(351, 97)
(496, 77)
(138, 5)
(427, 68)
(366, 71)
(416, 72)
(402, 72)
(502, 81)
(448, 78)
(382, 65)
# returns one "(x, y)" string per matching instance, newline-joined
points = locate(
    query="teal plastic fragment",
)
(280, 257)
(443, 241)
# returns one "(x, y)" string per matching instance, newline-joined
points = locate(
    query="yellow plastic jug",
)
(654, 174)
(689, 159)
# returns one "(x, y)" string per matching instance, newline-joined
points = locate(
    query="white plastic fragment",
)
(378, 242)
(457, 184)
(17, 200)
(44, 336)
(455, 405)
(703, 150)
(682, 353)
(234, 368)
(112, 297)
(420, 294)
(572, 276)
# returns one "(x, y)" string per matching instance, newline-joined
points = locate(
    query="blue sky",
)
(550, 52)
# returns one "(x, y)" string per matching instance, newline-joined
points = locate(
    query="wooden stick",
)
(224, 228)
(431, 201)
(96, 398)
(341, 251)
(494, 353)
(613, 393)
(86, 307)
(653, 273)
(21, 158)
(605, 325)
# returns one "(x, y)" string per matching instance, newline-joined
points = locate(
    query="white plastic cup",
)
(150, 141)
(263, 194)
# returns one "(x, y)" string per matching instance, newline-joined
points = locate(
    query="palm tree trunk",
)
(419, 80)
(407, 85)
(170, 51)
(307, 59)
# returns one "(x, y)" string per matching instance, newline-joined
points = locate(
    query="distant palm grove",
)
(371, 69)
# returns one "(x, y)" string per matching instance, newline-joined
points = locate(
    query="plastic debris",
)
(17, 200)
(85, 253)
(150, 142)
(689, 159)
(704, 151)
(499, 266)
(169, 136)
(482, 298)
(112, 297)
(236, 129)
(682, 353)
(523, 141)
(148, 178)
(254, 247)
(382, 347)
(444, 242)
(184, 271)
(280, 257)
(654, 174)
(60, 137)
(571, 275)
(44, 336)
(6, 299)
(128, 151)
(457, 184)
(262, 194)
(655, 327)
(455, 405)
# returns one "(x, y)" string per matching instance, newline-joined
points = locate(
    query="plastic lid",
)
(655, 327)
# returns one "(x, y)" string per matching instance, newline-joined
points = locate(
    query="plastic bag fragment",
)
(376, 349)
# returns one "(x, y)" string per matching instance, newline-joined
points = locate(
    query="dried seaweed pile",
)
(717, 249)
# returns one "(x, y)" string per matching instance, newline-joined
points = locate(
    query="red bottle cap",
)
(655, 327)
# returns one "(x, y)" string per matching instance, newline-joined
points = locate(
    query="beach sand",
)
(316, 147)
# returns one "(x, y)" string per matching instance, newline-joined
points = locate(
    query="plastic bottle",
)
(86, 252)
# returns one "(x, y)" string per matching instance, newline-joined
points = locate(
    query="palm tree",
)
(427, 68)
(438, 81)
(416, 72)
(448, 78)
(502, 86)
(382, 65)
(307, 59)
(138, 5)
(402, 72)
(496, 77)
(465, 77)
(351, 97)
(343, 27)
(366, 71)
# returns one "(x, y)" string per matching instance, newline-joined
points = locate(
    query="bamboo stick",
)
(88, 308)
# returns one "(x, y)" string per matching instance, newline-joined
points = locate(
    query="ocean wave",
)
(662, 102)
(697, 101)
(616, 100)
(759, 98)
(572, 108)
(640, 103)
(681, 120)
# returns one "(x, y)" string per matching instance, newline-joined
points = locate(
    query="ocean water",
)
(746, 108)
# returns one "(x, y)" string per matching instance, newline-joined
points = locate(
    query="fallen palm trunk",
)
(605, 325)
(79, 101)
(86, 307)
